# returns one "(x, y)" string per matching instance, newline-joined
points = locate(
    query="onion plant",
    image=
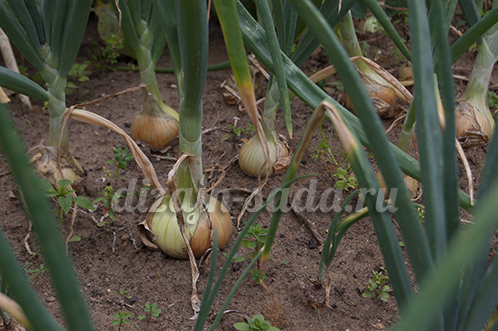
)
(48, 34)
(156, 124)
(199, 211)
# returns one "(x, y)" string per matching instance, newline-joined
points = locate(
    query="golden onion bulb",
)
(163, 229)
(153, 125)
(383, 97)
(252, 158)
(406, 72)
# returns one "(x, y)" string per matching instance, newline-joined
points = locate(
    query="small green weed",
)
(151, 311)
(255, 239)
(65, 199)
(377, 286)
(492, 99)
(395, 52)
(254, 324)
(121, 159)
(80, 73)
(237, 132)
(121, 319)
(38, 271)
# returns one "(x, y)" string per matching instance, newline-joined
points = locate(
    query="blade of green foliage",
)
(290, 15)
(444, 74)
(408, 220)
(381, 16)
(128, 27)
(61, 272)
(37, 20)
(266, 18)
(312, 95)
(328, 251)
(436, 289)
(47, 10)
(232, 292)
(156, 27)
(470, 11)
(60, 11)
(135, 8)
(486, 299)
(16, 34)
(278, 14)
(450, 175)
(428, 129)
(24, 18)
(193, 32)
(167, 12)
(309, 43)
(473, 34)
(21, 84)
(21, 289)
(74, 28)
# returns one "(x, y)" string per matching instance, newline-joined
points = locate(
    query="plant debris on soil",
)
(109, 261)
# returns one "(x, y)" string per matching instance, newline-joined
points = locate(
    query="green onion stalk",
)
(46, 158)
(381, 93)
(474, 120)
(156, 124)
(200, 212)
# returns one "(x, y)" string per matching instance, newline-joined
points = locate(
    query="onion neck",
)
(148, 77)
(56, 102)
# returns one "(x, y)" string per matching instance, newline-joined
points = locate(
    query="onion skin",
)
(383, 97)
(154, 124)
(252, 158)
(163, 229)
(154, 130)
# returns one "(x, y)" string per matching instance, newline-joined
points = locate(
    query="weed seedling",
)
(492, 99)
(121, 159)
(377, 286)
(78, 72)
(151, 311)
(256, 323)
(63, 197)
(109, 197)
(237, 132)
(38, 271)
(255, 239)
(124, 295)
(121, 319)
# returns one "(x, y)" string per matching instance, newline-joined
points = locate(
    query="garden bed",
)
(110, 262)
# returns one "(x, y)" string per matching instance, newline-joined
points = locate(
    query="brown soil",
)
(107, 263)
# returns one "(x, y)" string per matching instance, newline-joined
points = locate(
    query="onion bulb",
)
(252, 158)
(383, 97)
(474, 121)
(46, 163)
(154, 124)
(406, 72)
(162, 227)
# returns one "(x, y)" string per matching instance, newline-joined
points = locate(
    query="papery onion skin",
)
(155, 124)
(154, 130)
(166, 234)
(252, 157)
